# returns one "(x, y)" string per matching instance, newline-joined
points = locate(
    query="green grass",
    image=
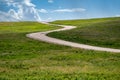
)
(22, 58)
(98, 32)
(23, 27)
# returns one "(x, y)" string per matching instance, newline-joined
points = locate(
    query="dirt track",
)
(42, 36)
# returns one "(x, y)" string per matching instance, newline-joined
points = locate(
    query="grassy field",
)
(22, 58)
(99, 32)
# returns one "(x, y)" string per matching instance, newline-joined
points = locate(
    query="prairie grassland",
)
(22, 58)
(103, 32)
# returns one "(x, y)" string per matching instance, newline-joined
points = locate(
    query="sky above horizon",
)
(49, 10)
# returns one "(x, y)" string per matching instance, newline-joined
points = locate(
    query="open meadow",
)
(22, 58)
(104, 32)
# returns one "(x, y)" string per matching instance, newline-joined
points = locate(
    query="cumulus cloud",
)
(13, 14)
(28, 3)
(6, 17)
(50, 1)
(70, 10)
(22, 10)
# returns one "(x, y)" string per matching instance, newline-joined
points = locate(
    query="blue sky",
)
(48, 10)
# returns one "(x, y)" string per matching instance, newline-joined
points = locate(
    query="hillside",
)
(22, 58)
(103, 32)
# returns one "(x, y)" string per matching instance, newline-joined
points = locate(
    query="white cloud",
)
(49, 19)
(70, 10)
(6, 17)
(118, 15)
(50, 1)
(23, 10)
(43, 11)
(13, 14)
(28, 2)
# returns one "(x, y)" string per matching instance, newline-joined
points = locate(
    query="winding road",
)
(42, 36)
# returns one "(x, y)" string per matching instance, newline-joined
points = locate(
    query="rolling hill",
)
(103, 32)
(22, 58)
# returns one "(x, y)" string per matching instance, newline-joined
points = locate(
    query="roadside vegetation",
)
(22, 58)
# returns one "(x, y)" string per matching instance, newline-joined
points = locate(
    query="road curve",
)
(42, 36)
